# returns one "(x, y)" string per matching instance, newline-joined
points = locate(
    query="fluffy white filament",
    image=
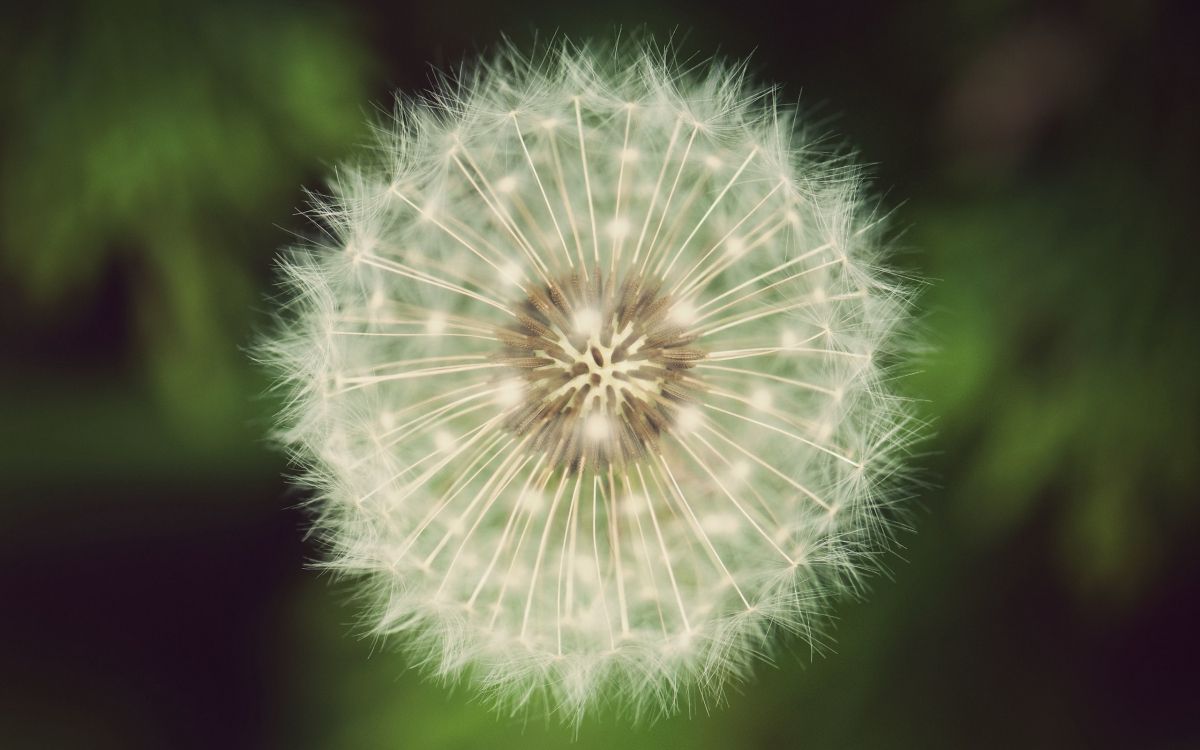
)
(570, 497)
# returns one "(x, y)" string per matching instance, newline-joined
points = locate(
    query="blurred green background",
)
(1040, 159)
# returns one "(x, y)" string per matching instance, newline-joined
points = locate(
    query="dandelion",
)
(589, 376)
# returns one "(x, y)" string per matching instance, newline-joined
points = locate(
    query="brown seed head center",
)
(605, 368)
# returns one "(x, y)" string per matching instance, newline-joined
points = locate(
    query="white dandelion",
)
(588, 374)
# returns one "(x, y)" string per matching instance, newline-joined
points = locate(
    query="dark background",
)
(1040, 159)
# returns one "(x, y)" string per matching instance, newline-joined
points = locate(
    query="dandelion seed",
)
(603, 403)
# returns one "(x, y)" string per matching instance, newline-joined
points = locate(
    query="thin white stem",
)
(402, 270)
(516, 554)
(725, 490)
(564, 561)
(720, 265)
(414, 361)
(697, 529)
(471, 471)
(646, 559)
(657, 186)
(471, 437)
(687, 150)
(666, 556)
(727, 323)
(515, 511)
(792, 435)
(756, 459)
(416, 335)
(728, 354)
(600, 585)
(566, 200)
(767, 376)
(716, 202)
(759, 290)
(428, 372)
(436, 420)
(615, 534)
(501, 215)
(541, 552)
(699, 263)
(587, 182)
(781, 416)
(457, 238)
(619, 236)
(542, 189)
(492, 488)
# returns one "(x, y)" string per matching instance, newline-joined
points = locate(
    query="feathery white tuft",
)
(588, 374)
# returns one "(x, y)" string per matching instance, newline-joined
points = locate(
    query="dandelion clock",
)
(587, 370)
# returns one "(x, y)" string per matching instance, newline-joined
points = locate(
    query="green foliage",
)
(1061, 367)
(159, 141)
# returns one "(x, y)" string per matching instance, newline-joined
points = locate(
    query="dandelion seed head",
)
(589, 376)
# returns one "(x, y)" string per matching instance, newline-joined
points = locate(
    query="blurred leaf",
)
(1061, 369)
(167, 137)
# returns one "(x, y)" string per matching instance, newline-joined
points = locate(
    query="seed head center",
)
(604, 369)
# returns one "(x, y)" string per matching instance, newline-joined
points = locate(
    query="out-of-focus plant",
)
(1063, 307)
(1065, 377)
(1063, 297)
(156, 139)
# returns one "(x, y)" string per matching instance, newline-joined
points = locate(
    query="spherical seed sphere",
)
(587, 372)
